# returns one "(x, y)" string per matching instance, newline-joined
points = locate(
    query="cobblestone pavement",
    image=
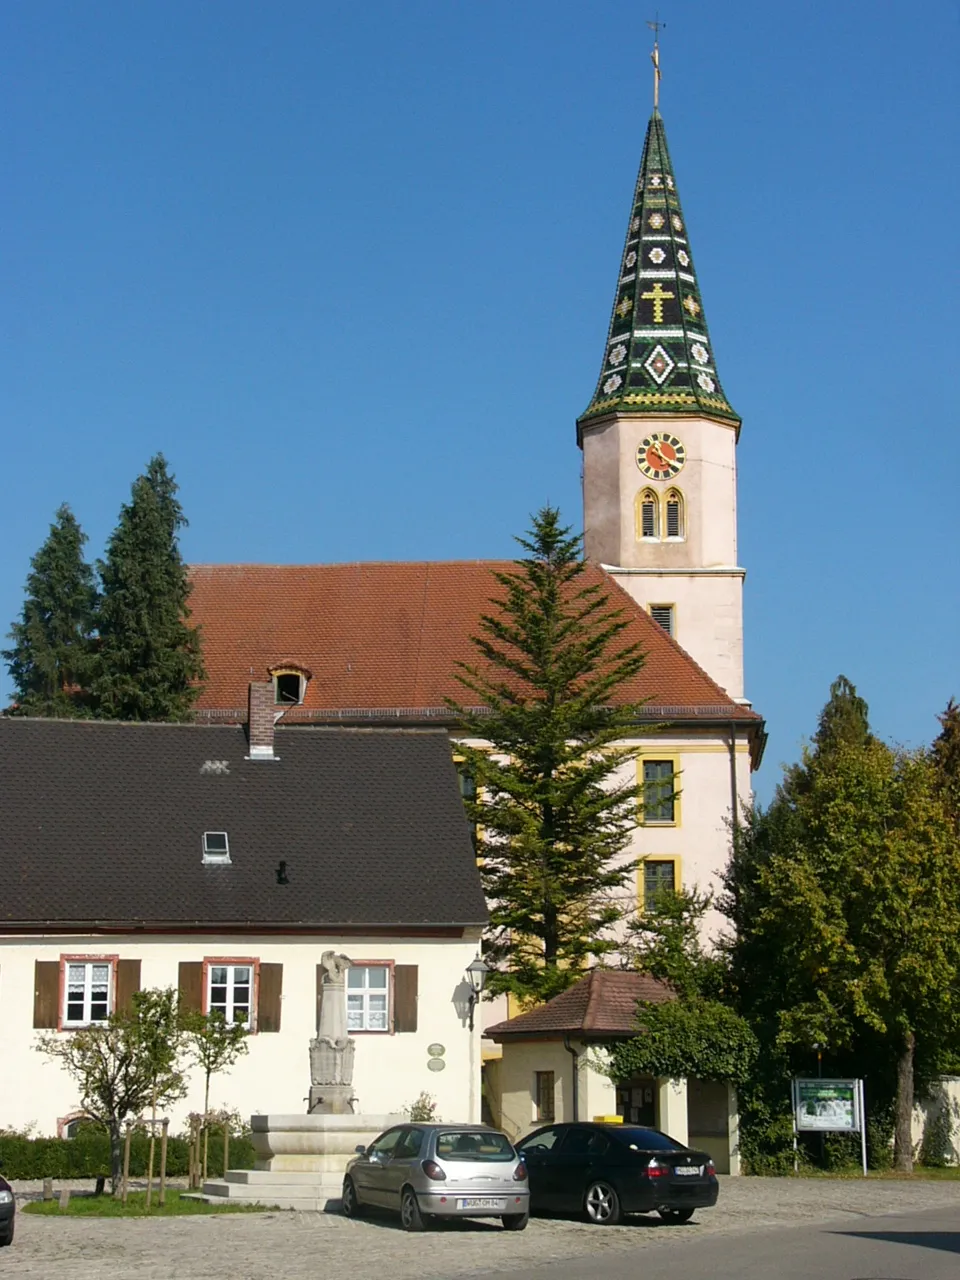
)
(289, 1246)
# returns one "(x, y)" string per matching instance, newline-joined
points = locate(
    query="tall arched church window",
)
(648, 515)
(674, 514)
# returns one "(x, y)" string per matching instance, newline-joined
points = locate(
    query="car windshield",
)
(473, 1144)
(645, 1139)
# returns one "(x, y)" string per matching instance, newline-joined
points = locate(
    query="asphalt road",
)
(917, 1246)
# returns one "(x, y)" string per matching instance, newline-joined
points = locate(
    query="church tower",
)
(659, 438)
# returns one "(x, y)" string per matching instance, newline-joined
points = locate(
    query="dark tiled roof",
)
(604, 1003)
(658, 359)
(103, 823)
(385, 638)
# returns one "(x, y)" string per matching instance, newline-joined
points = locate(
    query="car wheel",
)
(515, 1221)
(410, 1216)
(350, 1205)
(675, 1215)
(601, 1204)
(8, 1238)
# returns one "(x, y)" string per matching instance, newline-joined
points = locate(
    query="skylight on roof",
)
(216, 846)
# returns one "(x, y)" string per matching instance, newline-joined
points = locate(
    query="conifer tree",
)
(946, 759)
(844, 719)
(50, 658)
(553, 815)
(149, 662)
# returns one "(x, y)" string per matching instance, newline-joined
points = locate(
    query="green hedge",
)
(88, 1156)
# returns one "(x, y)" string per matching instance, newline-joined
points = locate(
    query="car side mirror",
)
(361, 1150)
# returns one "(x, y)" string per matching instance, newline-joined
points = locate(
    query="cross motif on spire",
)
(658, 296)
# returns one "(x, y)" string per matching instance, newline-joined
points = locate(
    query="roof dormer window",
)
(289, 685)
(216, 846)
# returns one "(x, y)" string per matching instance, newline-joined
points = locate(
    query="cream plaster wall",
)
(701, 837)
(709, 602)
(515, 1074)
(390, 1071)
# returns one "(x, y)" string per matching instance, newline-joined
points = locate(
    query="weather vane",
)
(656, 27)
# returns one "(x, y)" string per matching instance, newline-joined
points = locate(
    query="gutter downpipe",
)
(574, 1053)
(734, 800)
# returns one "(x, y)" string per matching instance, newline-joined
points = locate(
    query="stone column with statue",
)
(332, 1051)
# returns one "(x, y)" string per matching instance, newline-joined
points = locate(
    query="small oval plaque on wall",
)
(435, 1064)
(436, 1050)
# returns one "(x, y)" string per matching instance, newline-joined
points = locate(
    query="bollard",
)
(64, 1199)
(48, 1188)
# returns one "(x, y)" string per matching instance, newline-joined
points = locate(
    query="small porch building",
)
(550, 1070)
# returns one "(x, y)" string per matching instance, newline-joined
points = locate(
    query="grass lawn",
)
(886, 1175)
(105, 1206)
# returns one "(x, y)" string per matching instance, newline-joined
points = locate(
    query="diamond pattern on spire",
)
(658, 349)
(659, 365)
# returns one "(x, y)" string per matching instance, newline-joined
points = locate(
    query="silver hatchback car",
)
(426, 1171)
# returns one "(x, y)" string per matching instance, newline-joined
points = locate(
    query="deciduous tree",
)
(846, 900)
(125, 1065)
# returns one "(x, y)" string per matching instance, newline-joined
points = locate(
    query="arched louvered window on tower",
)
(674, 514)
(647, 515)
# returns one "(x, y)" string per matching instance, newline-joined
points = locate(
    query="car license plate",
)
(687, 1171)
(479, 1202)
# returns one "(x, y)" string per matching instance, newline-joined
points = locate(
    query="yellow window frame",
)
(674, 760)
(677, 861)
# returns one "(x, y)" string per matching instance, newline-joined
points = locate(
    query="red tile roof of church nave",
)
(387, 637)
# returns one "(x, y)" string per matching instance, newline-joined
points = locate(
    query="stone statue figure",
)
(332, 1051)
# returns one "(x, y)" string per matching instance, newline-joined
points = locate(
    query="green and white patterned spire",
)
(658, 359)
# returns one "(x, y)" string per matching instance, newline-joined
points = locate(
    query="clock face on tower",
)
(660, 456)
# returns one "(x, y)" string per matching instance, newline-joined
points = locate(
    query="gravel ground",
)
(293, 1246)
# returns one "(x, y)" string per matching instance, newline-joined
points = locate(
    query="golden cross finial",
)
(658, 296)
(656, 27)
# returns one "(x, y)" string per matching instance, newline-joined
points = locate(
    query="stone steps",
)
(309, 1193)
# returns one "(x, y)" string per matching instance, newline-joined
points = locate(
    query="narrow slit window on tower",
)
(662, 614)
(648, 515)
(675, 522)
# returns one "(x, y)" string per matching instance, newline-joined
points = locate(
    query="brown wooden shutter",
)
(190, 984)
(320, 972)
(46, 993)
(128, 981)
(268, 1000)
(406, 978)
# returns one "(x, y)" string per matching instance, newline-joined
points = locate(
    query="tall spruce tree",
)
(50, 657)
(149, 663)
(553, 813)
(844, 719)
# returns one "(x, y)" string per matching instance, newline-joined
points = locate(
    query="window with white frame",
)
(86, 992)
(230, 992)
(368, 997)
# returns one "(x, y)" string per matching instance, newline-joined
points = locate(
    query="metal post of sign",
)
(863, 1126)
(796, 1150)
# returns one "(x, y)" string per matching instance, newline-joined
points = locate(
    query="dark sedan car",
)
(606, 1170)
(8, 1209)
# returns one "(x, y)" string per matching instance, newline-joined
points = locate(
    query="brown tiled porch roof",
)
(601, 1005)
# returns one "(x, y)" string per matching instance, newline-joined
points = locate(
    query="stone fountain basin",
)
(313, 1143)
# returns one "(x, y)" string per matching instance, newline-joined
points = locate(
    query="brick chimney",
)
(261, 718)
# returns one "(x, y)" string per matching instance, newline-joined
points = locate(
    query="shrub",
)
(88, 1155)
(423, 1108)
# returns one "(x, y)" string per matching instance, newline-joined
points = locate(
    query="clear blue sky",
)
(350, 268)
